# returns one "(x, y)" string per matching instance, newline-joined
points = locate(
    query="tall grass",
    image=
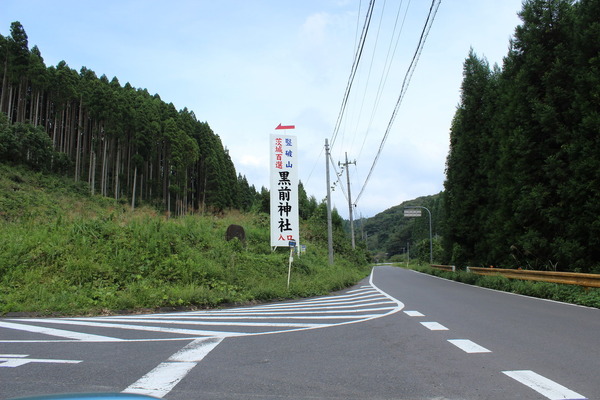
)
(100, 257)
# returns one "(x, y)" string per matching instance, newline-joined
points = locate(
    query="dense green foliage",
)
(523, 173)
(123, 141)
(66, 251)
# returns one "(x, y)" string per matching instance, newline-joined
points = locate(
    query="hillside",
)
(389, 233)
(123, 141)
(67, 252)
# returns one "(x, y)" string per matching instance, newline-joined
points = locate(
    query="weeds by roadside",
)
(65, 252)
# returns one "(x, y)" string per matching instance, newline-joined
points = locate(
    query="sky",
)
(246, 66)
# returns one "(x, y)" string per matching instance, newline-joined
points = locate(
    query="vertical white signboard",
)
(285, 222)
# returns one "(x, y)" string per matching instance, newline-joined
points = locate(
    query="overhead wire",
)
(353, 70)
(387, 67)
(359, 114)
(424, 33)
(370, 9)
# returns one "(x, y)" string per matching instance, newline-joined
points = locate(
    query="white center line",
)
(434, 326)
(413, 314)
(468, 346)
(544, 386)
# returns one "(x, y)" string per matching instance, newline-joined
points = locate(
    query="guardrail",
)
(567, 278)
(444, 267)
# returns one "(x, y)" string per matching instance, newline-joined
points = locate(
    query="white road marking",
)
(413, 314)
(434, 326)
(193, 332)
(468, 346)
(180, 321)
(301, 311)
(16, 360)
(360, 289)
(310, 303)
(544, 386)
(162, 379)
(362, 305)
(58, 332)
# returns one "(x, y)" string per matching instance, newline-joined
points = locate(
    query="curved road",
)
(397, 335)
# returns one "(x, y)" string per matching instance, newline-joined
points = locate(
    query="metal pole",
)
(329, 223)
(290, 267)
(430, 236)
(430, 239)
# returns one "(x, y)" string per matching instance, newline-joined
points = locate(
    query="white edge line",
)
(544, 386)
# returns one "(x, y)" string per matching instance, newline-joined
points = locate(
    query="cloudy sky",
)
(245, 66)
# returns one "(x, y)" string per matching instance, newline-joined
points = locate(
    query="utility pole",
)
(329, 223)
(350, 199)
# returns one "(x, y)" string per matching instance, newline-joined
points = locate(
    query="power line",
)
(359, 116)
(426, 28)
(352, 73)
(386, 69)
(353, 70)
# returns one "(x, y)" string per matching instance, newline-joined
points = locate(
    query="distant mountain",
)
(388, 232)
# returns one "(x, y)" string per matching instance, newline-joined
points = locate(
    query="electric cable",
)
(353, 70)
(424, 33)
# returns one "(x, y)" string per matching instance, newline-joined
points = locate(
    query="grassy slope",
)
(65, 252)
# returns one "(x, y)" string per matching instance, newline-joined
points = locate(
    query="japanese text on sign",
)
(284, 190)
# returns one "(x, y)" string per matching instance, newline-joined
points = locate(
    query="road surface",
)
(398, 334)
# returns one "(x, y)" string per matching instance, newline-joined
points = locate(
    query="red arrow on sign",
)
(286, 126)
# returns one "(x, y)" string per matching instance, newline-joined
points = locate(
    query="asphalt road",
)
(400, 335)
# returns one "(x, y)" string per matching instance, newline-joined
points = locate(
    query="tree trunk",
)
(4, 93)
(78, 140)
(93, 171)
(9, 110)
(133, 191)
(117, 170)
(104, 178)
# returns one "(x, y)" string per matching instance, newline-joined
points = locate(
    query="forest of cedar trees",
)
(522, 182)
(124, 142)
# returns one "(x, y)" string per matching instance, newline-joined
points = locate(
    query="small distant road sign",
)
(412, 212)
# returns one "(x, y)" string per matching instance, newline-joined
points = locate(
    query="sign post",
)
(292, 248)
